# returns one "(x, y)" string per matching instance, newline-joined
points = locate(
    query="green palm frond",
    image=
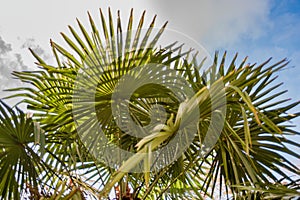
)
(251, 147)
(278, 190)
(252, 144)
(237, 105)
(51, 91)
(20, 161)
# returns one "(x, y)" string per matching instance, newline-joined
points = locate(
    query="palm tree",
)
(237, 106)
(21, 160)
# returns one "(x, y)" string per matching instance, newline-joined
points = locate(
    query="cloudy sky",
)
(258, 29)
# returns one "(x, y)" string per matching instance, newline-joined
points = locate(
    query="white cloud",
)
(43, 20)
(9, 61)
(218, 23)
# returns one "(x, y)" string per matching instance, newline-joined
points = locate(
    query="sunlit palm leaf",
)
(251, 141)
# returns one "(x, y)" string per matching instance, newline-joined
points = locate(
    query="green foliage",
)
(248, 155)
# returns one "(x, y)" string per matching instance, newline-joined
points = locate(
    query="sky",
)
(258, 29)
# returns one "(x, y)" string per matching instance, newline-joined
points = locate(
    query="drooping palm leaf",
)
(252, 144)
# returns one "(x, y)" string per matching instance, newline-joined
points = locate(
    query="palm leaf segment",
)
(240, 157)
(20, 164)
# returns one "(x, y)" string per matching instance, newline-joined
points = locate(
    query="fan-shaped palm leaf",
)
(250, 134)
(21, 165)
